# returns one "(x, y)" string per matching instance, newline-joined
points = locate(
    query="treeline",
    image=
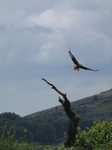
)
(41, 129)
(98, 137)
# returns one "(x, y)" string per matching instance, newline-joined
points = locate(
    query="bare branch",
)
(53, 87)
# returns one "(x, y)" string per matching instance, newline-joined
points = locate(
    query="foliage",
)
(33, 127)
(55, 123)
(88, 109)
(46, 133)
(99, 136)
(8, 140)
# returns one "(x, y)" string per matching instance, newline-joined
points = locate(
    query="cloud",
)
(63, 24)
(34, 41)
(84, 26)
(51, 18)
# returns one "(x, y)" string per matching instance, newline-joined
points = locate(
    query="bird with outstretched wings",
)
(77, 64)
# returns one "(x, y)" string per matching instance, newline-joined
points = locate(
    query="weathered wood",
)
(74, 119)
(53, 87)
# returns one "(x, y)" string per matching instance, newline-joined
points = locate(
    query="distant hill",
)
(49, 126)
(94, 108)
(97, 107)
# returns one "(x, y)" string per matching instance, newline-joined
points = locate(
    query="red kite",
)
(77, 65)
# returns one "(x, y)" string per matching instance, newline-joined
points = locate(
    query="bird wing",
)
(83, 67)
(73, 58)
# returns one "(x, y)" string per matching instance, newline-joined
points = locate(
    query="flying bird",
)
(77, 64)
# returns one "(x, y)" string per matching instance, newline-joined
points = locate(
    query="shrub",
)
(98, 136)
(8, 140)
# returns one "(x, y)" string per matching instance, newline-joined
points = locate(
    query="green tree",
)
(45, 133)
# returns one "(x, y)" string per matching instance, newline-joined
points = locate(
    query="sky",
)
(35, 37)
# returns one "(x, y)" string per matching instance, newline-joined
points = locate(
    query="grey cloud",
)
(38, 29)
(30, 49)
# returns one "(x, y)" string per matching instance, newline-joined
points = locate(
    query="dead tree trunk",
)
(74, 119)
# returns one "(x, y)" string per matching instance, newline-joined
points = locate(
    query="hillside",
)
(49, 126)
(97, 107)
